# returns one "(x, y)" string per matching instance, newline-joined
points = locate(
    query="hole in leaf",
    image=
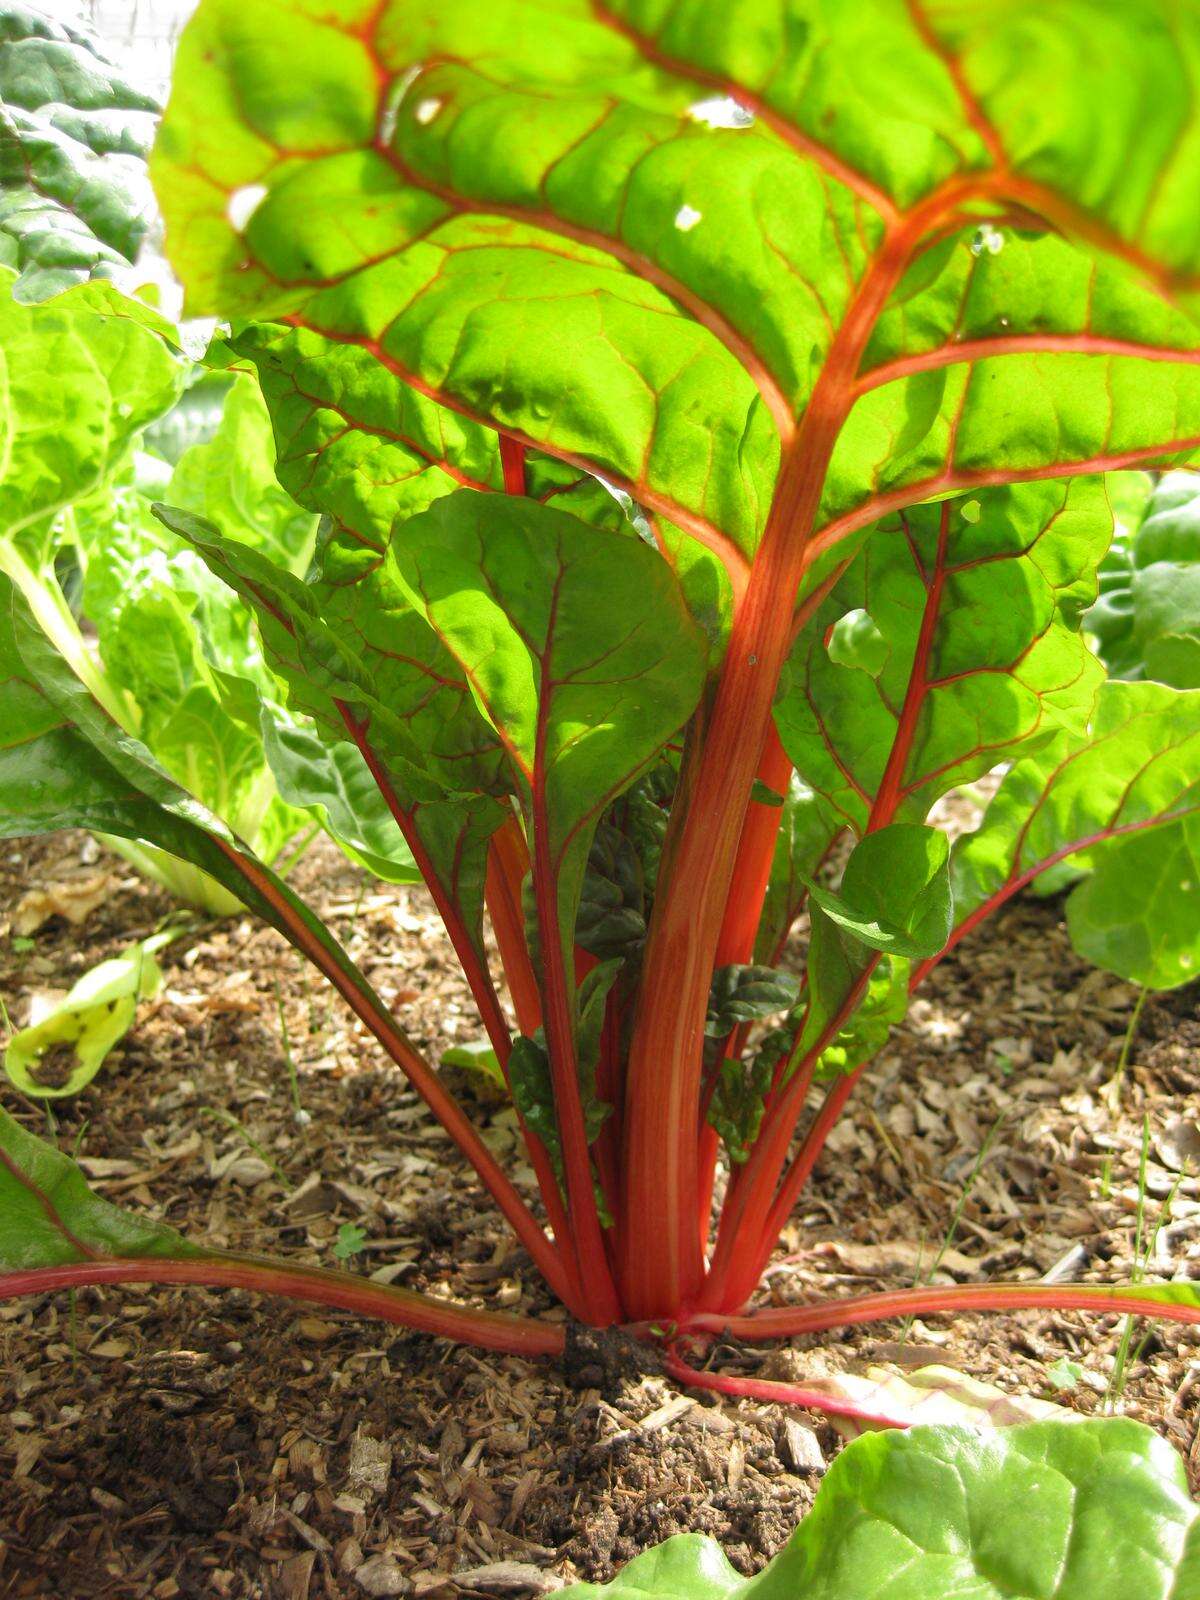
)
(687, 217)
(855, 641)
(243, 203)
(721, 111)
(987, 238)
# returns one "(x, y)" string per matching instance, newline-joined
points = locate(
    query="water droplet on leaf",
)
(686, 218)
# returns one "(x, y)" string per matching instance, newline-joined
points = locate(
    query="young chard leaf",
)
(737, 1104)
(895, 892)
(747, 994)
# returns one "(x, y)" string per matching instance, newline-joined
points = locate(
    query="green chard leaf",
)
(1137, 912)
(636, 294)
(75, 198)
(1120, 800)
(975, 652)
(331, 780)
(1147, 621)
(62, 1052)
(49, 1216)
(1085, 1510)
(895, 891)
(577, 648)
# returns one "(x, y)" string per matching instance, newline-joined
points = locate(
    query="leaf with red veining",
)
(485, 217)
(975, 607)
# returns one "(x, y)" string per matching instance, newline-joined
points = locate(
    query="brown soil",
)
(187, 1443)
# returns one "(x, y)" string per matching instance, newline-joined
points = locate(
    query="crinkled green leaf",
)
(80, 378)
(181, 660)
(1090, 1510)
(738, 1100)
(230, 479)
(1147, 622)
(1110, 620)
(746, 993)
(61, 1053)
(75, 198)
(613, 903)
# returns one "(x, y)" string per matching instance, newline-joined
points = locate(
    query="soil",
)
(190, 1443)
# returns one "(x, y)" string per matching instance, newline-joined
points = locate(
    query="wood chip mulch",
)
(163, 1443)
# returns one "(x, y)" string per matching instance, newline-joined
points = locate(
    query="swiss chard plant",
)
(712, 414)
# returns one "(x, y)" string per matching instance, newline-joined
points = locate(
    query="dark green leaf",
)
(738, 1100)
(747, 994)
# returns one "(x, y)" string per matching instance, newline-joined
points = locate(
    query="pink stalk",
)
(422, 1077)
(788, 1394)
(785, 1322)
(489, 1330)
